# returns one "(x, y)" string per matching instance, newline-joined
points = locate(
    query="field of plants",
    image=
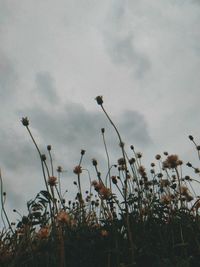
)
(135, 216)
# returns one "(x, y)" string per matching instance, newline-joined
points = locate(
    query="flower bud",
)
(99, 100)
(25, 121)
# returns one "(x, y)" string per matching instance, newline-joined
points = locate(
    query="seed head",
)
(172, 162)
(49, 147)
(77, 169)
(52, 180)
(121, 161)
(25, 121)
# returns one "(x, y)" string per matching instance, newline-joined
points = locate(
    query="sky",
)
(142, 56)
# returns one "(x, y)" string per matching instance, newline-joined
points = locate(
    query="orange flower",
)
(63, 217)
(43, 232)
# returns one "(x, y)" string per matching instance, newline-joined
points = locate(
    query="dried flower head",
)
(184, 190)
(52, 180)
(171, 162)
(142, 171)
(104, 192)
(166, 199)
(121, 161)
(77, 169)
(164, 182)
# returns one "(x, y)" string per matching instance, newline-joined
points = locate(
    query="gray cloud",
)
(45, 86)
(119, 41)
(8, 78)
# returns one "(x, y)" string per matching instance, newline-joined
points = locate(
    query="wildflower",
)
(25, 121)
(94, 183)
(104, 233)
(99, 100)
(164, 183)
(166, 199)
(171, 162)
(44, 232)
(141, 171)
(105, 192)
(132, 160)
(121, 161)
(52, 180)
(184, 190)
(77, 169)
(63, 217)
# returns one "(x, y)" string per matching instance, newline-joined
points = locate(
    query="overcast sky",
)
(143, 56)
